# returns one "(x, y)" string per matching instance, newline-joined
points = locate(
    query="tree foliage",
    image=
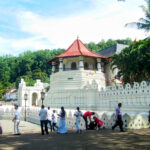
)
(29, 65)
(104, 44)
(134, 62)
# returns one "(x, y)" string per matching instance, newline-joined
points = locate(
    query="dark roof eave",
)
(100, 56)
(49, 61)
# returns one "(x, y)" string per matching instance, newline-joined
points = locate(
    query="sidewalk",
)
(25, 127)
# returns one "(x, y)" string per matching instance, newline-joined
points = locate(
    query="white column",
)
(60, 64)
(99, 64)
(81, 65)
(53, 67)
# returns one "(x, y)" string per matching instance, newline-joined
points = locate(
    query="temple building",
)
(75, 70)
(77, 76)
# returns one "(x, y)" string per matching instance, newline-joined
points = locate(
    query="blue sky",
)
(47, 24)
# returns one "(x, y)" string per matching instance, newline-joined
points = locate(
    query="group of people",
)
(48, 117)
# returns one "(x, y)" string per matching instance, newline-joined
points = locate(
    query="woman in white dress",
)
(62, 122)
(78, 115)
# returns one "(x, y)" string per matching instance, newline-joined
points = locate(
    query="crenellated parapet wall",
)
(135, 98)
(131, 121)
(135, 101)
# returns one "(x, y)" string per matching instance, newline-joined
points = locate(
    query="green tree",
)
(134, 61)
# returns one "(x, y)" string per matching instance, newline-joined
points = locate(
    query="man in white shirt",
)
(43, 119)
(16, 120)
(49, 118)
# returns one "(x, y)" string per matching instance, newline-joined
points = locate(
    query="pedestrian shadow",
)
(89, 140)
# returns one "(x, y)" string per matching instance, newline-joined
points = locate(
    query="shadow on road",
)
(90, 140)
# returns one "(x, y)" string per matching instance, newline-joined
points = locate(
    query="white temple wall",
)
(135, 99)
(67, 62)
(90, 61)
(33, 92)
(131, 121)
(76, 79)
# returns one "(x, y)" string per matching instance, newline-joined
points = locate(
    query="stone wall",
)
(135, 98)
(33, 93)
(131, 121)
(135, 101)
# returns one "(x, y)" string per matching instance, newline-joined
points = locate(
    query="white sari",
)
(62, 125)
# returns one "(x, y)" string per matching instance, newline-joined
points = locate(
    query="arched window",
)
(64, 67)
(86, 66)
(34, 99)
(73, 66)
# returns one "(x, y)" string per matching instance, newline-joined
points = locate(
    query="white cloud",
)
(91, 26)
(62, 31)
(15, 47)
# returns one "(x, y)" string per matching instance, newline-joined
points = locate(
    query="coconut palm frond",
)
(142, 20)
(144, 23)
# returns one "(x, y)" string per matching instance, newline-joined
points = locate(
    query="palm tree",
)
(144, 23)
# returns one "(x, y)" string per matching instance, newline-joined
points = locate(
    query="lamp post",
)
(25, 98)
(42, 95)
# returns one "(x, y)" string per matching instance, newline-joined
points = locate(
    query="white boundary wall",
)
(131, 121)
(135, 100)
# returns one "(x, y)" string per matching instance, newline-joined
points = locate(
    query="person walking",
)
(54, 121)
(62, 122)
(16, 120)
(118, 118)
(87, 115)
(43, 120)
(78, 115)
(49, 118)
(1, 131)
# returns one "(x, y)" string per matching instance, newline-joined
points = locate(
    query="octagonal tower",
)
(72, 71)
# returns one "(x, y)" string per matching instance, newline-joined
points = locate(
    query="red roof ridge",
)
(91, 51)
(78, 48)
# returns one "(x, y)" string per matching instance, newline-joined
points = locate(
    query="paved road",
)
(31, 139)
(25, 127)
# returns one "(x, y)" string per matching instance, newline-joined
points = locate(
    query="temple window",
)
(73, 66)
(64, 67)
(86, 66)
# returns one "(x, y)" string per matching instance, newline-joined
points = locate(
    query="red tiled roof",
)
(78, 49)
(12, 89)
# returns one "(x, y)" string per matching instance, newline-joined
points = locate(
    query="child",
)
(98, 122)
(54, 120)
(78, 115)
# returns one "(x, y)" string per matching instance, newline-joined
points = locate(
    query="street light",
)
(42, 95)
(25, 98)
